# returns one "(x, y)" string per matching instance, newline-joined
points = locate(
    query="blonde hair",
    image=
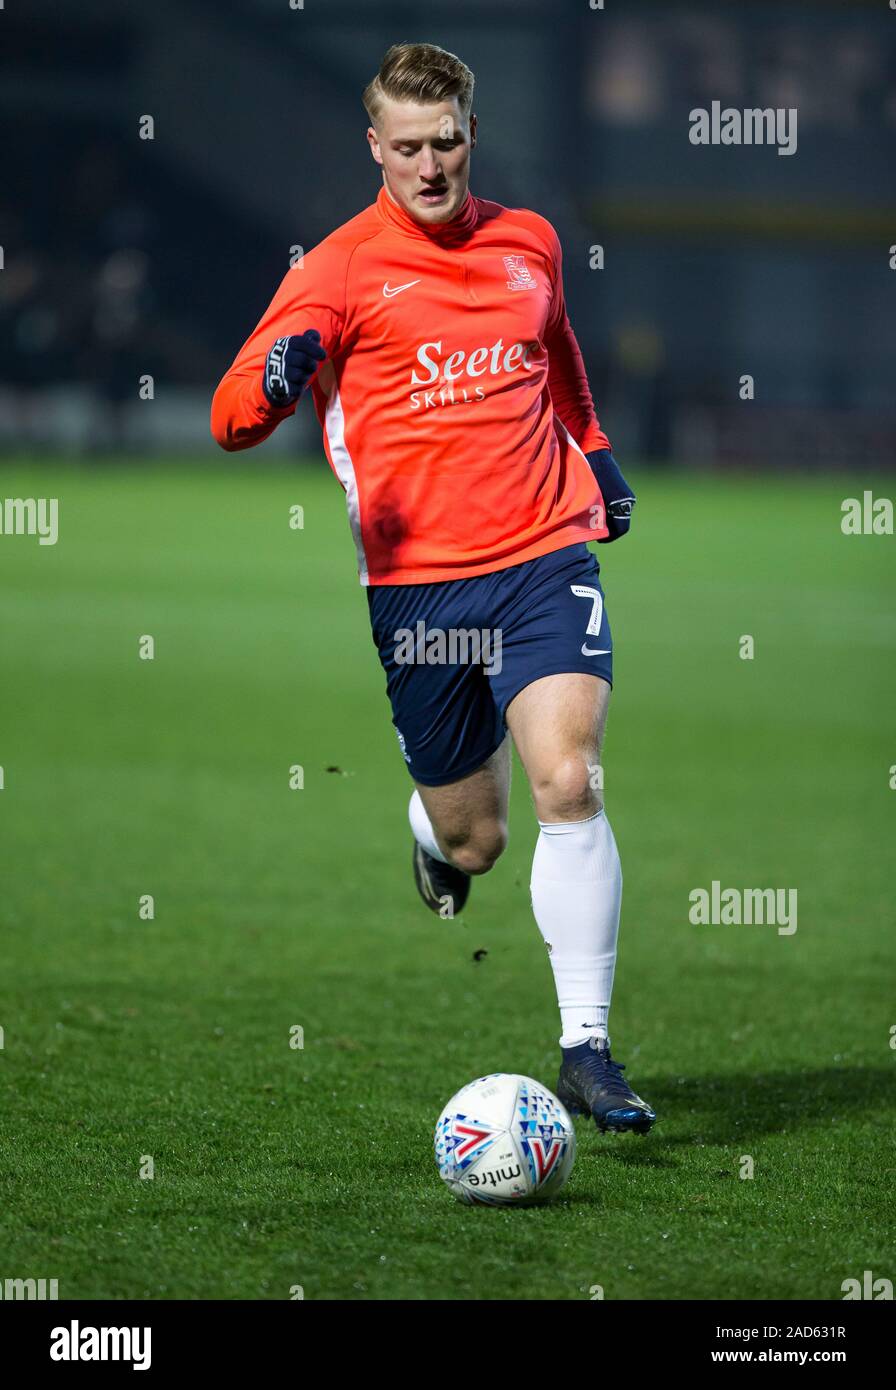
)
(419, 72)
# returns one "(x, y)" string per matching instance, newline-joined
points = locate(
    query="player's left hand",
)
(618, 496)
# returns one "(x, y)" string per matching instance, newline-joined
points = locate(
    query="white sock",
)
(421, 825)
(576, 896)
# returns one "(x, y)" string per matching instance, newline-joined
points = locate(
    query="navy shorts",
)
(456, 652)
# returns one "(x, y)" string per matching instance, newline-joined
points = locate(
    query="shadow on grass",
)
(729, 1109)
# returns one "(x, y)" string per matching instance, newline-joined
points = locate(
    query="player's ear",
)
(473, 125)
(373, 141)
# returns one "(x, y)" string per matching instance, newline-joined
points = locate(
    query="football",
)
(504, 1141)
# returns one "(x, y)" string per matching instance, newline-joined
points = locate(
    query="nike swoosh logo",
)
(595, 651)
(388, 291)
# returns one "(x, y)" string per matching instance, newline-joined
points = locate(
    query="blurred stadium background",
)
(126, 256)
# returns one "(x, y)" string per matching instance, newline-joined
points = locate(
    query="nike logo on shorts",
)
(595, 651)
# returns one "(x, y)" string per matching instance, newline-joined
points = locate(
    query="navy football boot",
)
(592, 1083)
(443, 888)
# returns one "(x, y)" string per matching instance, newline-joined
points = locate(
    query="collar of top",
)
(443, 233)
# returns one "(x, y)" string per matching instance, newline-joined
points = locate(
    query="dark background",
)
(125, 256)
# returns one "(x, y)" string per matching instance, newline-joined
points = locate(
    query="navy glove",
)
(618, 496)
(290, 365)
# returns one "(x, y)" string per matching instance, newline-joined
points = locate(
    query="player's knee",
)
(567, 791)
(477, 851)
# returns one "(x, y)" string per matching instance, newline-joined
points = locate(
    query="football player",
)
(432, 333)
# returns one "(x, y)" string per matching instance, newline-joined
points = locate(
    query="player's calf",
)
(445, 860)
(476, 850)
(443, 888)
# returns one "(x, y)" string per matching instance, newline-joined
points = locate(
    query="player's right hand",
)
(290, 365)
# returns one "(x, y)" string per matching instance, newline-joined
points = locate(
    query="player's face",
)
(425, 156)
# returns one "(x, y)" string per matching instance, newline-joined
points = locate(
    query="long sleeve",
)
(567, 379)
(311, 295)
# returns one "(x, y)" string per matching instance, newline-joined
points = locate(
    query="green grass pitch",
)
(276, 1166)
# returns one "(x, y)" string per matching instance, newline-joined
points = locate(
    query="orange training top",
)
(454, 402)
